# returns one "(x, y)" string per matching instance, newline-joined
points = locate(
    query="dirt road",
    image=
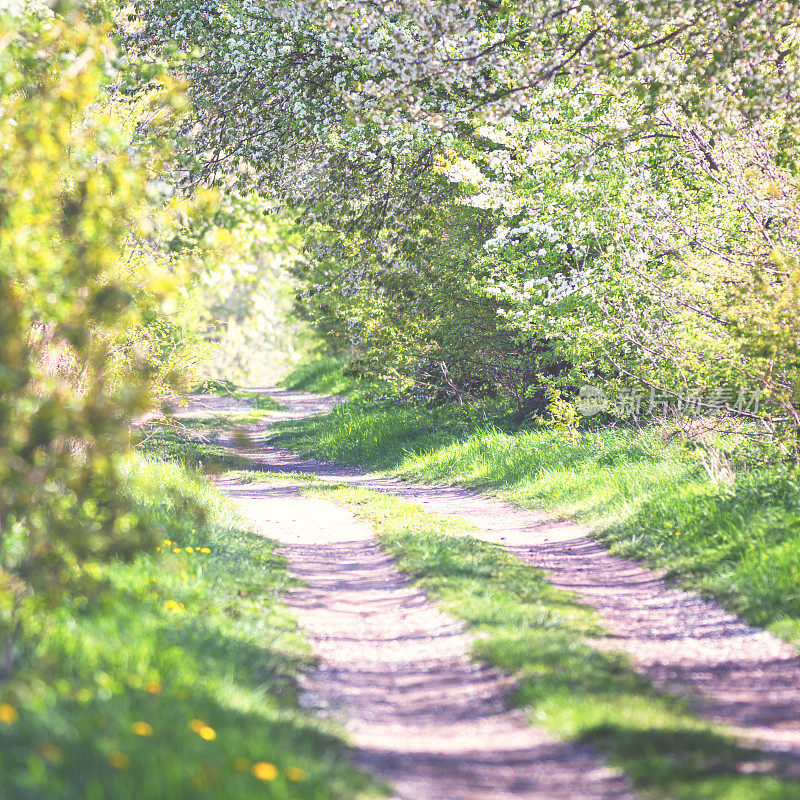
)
(421, 712)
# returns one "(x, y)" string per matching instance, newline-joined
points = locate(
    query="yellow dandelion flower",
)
(196, 724)
(152, 687)
(193, 530)
(176, 550)
(207, 733)
(205, 550)
(174, 605)
(142, 729)
(190, 549)
(166, 542)
(119, 760)
(296, 774)
(8, 713)
(241, 764)
(265, 771)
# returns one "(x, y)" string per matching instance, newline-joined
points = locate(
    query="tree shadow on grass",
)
(695, 764)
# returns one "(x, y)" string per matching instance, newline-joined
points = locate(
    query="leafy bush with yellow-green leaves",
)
(75, 211)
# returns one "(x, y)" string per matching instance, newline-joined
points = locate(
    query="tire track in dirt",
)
(422, 715)
(733, 673)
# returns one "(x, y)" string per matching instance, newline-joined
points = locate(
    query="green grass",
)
(325, 376)
(737, 541)
(535, 632)
(252, 416)
(259, 401)
(189, 445)
(180, 680)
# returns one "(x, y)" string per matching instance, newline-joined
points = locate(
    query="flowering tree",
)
(611, 183)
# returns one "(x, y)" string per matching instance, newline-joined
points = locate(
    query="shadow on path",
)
(734, 673)
(423, 716)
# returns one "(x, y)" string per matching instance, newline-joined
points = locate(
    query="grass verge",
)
(326, 376)
(181, 683)
(737, 540)
(535, 632)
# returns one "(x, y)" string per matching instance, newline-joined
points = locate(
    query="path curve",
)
(735, 674)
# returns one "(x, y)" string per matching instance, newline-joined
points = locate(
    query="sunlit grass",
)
(537, 633)
(181, 682)
(324, 376)
(738, 541)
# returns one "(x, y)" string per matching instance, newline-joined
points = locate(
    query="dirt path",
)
(394, 668)
(420, 711)
(422, 715)
(737, 675)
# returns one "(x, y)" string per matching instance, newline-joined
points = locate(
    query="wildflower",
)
(142, 729)
(207, 733)
(295, 774)
(265, 771)
(174, 605)
(119, 760)
(8, 713)
(152, 687)
(205, 550)
(190, 550)
(166, 543)
(176, 550)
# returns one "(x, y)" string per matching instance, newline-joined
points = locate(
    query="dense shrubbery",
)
(72, 200)
(97, 262)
